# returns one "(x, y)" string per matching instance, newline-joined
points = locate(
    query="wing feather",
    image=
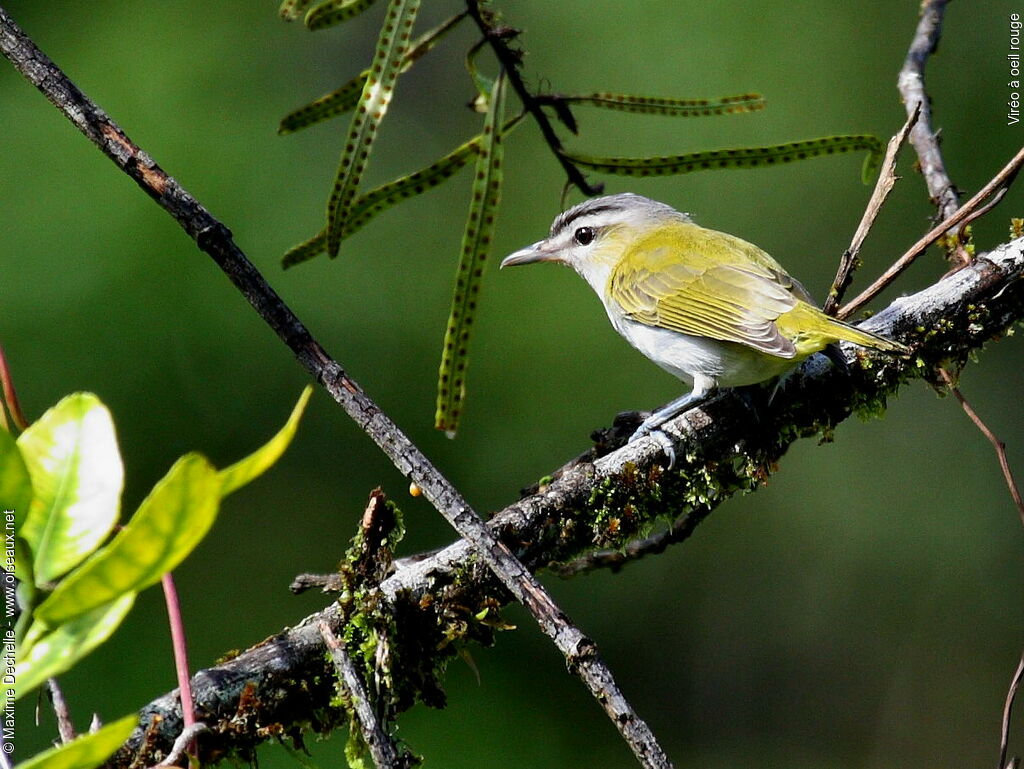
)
(723, 288)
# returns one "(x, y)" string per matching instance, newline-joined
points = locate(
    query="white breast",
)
(710, 362)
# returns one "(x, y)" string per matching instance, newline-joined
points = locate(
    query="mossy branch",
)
(604, 498)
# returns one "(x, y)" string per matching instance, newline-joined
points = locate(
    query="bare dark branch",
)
(215, 238)
(498, 38)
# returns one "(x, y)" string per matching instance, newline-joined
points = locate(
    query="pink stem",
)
(180, 651)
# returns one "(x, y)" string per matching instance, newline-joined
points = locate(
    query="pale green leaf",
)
(15, 487)
(242, 472)
(169, 523)
(86, 752)
(336, 102)
(335, 12)
(386, 196)
(654, 105)
(476, 246)
(392, 46)
(484, 85)
(382, 198)
(306, 250)
(23, 569)
(343, 99)
(745, 157)
(291, 10)
(46, 654)
(72, 457)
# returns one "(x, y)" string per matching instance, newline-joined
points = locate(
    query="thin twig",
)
(1004, 735)
(1011, 484)
(886, 181)
(980, 212)
(183, 742)
(65, 728)
(327, 583)
(1003, 179)
(180, 646)
(510, 61)
(10, 395)
(215, 238)
(997, 444)
(924, 140)
(383, 749)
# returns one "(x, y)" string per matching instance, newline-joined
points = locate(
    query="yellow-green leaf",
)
(744, 157)
(46, 654)
(484, 85)
(343, 99)
(327, 106)
(654, 105)
(86, 752)
(169, 523)
(306, 250)
(23, 571)
(392, 45)
(72, 457)
(386, 196)
(382, 198)
(476, 245)
(291, 10)
(335, 12)
(15, 489)
(240, 473)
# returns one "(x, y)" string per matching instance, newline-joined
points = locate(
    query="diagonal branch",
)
(383, 749)
(216, 239)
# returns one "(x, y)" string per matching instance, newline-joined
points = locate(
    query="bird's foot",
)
(660, 437)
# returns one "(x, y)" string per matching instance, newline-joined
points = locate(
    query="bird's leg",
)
(669, 410)
(657, 418)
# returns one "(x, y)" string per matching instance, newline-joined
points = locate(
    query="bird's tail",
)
(846, 333)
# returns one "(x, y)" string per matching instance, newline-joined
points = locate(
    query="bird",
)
(707, 307)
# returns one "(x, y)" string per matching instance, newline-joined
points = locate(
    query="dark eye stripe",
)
(562, 222)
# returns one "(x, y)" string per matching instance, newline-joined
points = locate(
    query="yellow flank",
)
(697, 281)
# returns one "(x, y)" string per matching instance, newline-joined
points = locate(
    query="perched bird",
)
(707, 307)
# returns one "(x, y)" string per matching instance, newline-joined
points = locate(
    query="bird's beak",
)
(541, 251)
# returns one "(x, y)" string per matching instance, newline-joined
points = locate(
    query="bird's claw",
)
(661, 438)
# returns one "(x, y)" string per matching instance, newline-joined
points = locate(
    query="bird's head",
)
(592, 236)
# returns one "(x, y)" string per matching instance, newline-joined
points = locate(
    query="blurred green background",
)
(863, 610)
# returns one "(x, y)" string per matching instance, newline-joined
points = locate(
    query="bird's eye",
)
(584, 236)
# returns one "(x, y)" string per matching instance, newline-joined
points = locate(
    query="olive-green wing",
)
(704, 295)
